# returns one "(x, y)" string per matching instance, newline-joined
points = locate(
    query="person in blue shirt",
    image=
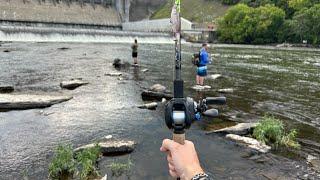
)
(202, 66)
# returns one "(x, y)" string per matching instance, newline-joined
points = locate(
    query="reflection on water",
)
(278, 82)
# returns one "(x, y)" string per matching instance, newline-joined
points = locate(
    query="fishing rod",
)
(180, 112)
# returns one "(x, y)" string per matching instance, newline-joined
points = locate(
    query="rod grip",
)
(179, 138)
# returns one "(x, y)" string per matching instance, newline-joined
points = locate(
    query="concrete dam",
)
(69, 21)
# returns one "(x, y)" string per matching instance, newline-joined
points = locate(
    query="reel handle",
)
(179, 138)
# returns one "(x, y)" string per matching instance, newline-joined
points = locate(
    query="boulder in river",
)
(227, 90)
(117, 63)
(72, 84)
(15, 101)
(239, 129)
(158, 88)
(63, 48)
(6, 89)
(151, 95)
(152, 106)
(112, 147)
(249, 142)
(7, 50)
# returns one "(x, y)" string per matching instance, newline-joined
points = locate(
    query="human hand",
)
(183, 160)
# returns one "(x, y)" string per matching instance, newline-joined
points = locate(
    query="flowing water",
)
(281, 82)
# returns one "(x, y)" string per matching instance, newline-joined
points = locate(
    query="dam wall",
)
(31, 11)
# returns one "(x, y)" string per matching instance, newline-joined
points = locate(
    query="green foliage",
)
(118, 169)
(271, 131)
(62, 162)
(243, 24)
(87, 160)
(307, 24)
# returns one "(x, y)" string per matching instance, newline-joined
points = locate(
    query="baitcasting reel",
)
(181, 112)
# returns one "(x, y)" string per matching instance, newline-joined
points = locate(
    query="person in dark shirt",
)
(134, 48)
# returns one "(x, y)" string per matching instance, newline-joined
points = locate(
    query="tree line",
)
(271, 21)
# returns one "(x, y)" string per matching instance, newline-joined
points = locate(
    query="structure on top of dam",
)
(107, 13)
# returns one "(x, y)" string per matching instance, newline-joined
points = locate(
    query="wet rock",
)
(317, 64)
(72, 84)
(6, 89)
(105, 177)
(151, 95)
(158, 88)
(10, 101)
(63, 48)
(113, 74)
(144, 70)
(314, 162)
(215, 76)
(6, 51)
(113, 147)
(239, 129)
(227, 90)
(152, 106)
(118, 64)
(249, 142)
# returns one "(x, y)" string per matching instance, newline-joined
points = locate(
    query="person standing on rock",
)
(204, 59)
(134, 48)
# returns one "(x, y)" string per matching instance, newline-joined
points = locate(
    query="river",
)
(265, 80)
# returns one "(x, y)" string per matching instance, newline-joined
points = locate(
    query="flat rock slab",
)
(72, 84)
(239, 129)
(6, 89)
(198, 87)
(151, 95)
(152, 105)
(111, 147)
(11, 101)
(314, 162)
(249, 142)
(227, 90)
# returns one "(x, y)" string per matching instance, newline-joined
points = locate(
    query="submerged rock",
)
(111, 147)
(63, 48)
(72, 84)
(227, 90)
(239, 129)
(113, 74)
(158, 88)
(6, 89)
(151, 95)
(250, 142)
(10, 102)
(6, 51)
(152, 105)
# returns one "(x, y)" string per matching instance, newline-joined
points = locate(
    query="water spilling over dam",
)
(74, 22)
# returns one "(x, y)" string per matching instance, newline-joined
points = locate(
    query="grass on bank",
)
(65, 166)
(118, 168)
(271, 131)
(199, 11)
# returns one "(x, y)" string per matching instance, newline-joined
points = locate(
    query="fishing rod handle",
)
(179, 138)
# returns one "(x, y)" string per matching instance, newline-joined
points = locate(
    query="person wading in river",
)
(202, 65)
(134, 48)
